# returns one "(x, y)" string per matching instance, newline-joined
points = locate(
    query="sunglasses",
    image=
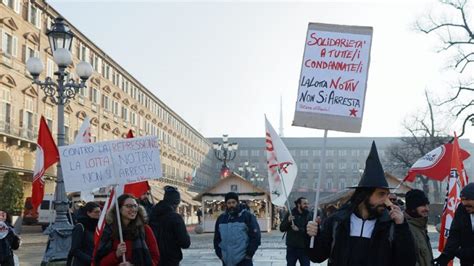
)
(131, 206)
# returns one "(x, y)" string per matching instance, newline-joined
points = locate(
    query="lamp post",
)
(60, 92)
(225, 152)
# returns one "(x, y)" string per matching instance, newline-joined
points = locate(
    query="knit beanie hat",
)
(415, 198)
(468, 192)
(231, 195)
(172, 195)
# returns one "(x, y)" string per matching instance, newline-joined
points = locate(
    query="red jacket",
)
(111, 258)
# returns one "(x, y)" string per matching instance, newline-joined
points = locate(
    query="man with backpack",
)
(169, 228)
(294, 225)
(364, 232)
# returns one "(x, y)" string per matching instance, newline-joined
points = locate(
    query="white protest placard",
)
(92, 165)
(333, 77)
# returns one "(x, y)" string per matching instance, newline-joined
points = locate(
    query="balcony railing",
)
(29, 134)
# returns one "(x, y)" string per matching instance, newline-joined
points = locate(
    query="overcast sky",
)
(222, 65)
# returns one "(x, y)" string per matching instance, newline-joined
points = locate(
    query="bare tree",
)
(456, 35)
(425, 133)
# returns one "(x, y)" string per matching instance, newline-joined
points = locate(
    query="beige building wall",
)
(114, 100)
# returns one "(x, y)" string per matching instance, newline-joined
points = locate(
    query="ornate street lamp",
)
(60, 92)
(225, 152)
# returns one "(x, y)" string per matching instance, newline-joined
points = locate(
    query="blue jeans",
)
(295, 254)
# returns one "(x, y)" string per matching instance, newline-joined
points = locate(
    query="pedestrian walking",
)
(236, 234)
(9, 241)
(199, 215)
(139, 246)
(297, 240)
(460, 242)
(416, 213)
(169, 228)
(363, 232)
(82, 244)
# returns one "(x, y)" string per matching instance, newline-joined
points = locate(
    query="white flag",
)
(282, 168)
(84, 136)
(84, 133)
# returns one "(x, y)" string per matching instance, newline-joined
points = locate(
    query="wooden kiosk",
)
(257, 199)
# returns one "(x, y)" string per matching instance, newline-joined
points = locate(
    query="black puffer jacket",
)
(400, 251)
(170, 232)
(296, 239)
(82, 245)
(461, 238)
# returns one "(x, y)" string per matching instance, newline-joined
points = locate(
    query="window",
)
(83, 92)
(5, 110)
(115, 108)
(304, 166)
(342, 152)
(133, 118)
(244, 153)
(328, 183)
(48, 113)
(124, 113)
(94, 95)
(316, 152)
(255, 153)
(30, 52)
(330, 153)
(9, 44)
(304, 152)
(106, 103)
(342, 165)
(34, 16)
(50, 68)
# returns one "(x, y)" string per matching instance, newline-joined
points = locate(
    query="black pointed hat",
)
(373, 176)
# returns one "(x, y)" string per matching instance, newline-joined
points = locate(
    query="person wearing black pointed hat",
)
(364, 232)
(460, 241)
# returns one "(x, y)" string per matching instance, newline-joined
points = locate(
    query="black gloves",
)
(442, 260)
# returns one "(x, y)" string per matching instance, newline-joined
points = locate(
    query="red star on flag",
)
(353, 112)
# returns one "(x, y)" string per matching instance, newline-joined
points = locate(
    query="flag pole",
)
(284, 191)
(318, 188)
(119, 222)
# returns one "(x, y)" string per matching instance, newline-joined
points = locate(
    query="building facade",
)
(114, 101)
(345, 161)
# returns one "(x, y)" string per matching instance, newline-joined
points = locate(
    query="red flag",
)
(46, 155)
(139, 188)
(457, 181)
(436, 164)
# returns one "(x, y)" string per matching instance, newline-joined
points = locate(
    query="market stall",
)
(256, 199)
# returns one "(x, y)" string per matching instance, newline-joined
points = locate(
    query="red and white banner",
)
(46, 155)
(282, 168)
(457, 180)
(436, 164)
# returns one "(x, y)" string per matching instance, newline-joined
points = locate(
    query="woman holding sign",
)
(139, 244)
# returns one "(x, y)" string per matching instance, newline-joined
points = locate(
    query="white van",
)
(46, 211)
